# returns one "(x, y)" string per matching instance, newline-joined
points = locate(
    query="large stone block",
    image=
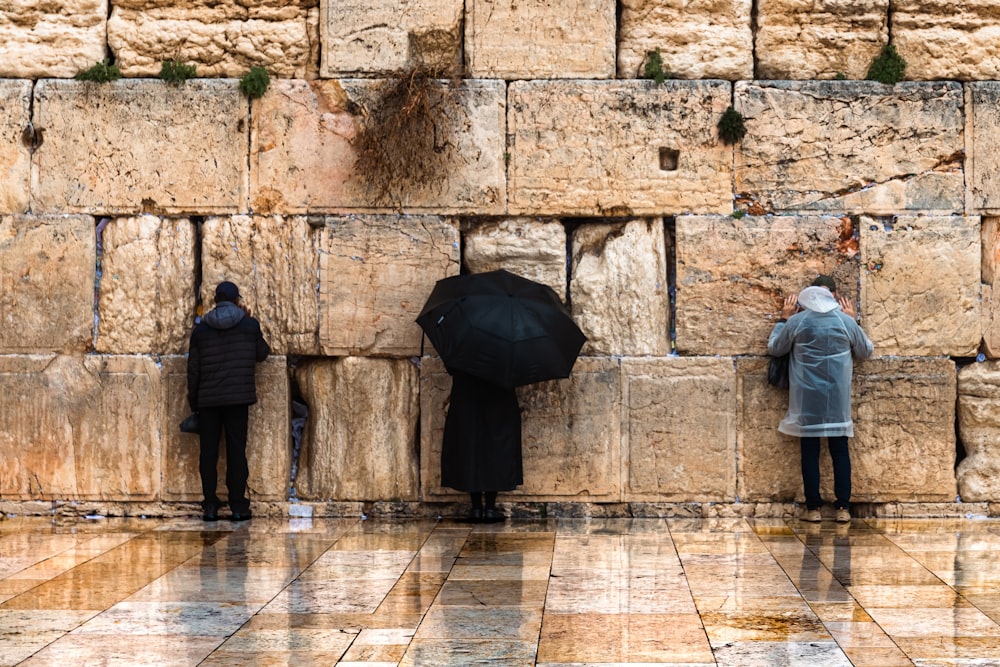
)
(904, 444)
(733, 274)
(15, 145)
(269, 444)
(947, 40)
(140, 145)
(533, 248)
(146, 293)
(360, 441)
(617, 148)
(990, 303)
(375, 275)
(619, 287)
(819, 40)
(219, 38)
(539, 39)
(46, 283)
(79, 427)
(570, 434)
(982, 161)
(704, 39)
(380, 37)
(850, 147)
(274, 261)
(979, 432)
(41, 38)
(920, 288)
(302, 158)
(679, 429)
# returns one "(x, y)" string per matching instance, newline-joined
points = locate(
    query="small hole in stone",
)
(669, 158)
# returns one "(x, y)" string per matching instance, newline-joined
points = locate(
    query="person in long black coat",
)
(481, 448)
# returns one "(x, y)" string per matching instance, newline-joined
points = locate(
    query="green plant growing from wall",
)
(738, 214)
(176, 73)
(653, 69)
(255, 82)
(732, 126)
(102, 72)
(840, 76)
(888, 67)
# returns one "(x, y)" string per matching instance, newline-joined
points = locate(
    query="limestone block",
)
(990, 303)
(819, 40)
(269, 445)
(619, 287)
(15, 146)
(540, 39)
(146, 293)
(40, 38)
(903, 449)
(570, 434)
(679, 429)
(46, 283)
(982, 164)
(920, 288)
(944, 40)
(375, 275)
(301, 155)
(379, 37)
(140, 145)
(79, 427)
(703, 39)
(533, 248)
(274, 260)
(219, 38)
(978, 429)
(360, 441)
(617, 148)
(732, 275)
(850, 147)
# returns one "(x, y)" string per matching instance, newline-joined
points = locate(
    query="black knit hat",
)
(227, 291)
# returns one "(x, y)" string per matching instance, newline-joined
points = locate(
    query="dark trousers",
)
(841, 458)
(232, 419)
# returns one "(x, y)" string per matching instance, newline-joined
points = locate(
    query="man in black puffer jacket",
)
(225, 347)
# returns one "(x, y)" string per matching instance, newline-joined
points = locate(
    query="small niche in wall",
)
(669, 158)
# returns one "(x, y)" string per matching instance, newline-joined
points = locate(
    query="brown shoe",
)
(843, 516)
(812, 516)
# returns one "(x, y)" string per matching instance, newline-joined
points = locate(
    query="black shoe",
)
(494, 515)
(242, 516)
(476, 515)
(210, 513)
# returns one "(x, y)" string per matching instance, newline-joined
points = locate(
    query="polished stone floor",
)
(559, 592)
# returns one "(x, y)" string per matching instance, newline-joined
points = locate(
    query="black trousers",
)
(841, 459)
(212, 422)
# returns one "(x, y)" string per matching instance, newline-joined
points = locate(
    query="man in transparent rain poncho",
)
(823, 339)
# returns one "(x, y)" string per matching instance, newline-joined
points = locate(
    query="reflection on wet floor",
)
(376, 593)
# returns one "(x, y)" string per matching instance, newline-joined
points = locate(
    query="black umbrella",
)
(502, 328)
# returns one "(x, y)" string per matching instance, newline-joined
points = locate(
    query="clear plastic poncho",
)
(823, 341)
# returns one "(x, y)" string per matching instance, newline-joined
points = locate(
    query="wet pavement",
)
(380, 593)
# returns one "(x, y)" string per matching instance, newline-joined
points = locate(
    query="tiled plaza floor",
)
(559, 592)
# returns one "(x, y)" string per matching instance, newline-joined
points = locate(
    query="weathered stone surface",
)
(219, 38)
(819, 40)
(850, 147)
(920, 287)
(679, 429)
(904, 444)
(733, 274)
(275, 262)
(302, 158)
(540, 39)
(140, 146)
(944, 40)
(533, 248)
(990, 303)
(982, 161)
(51, 39)
(360, 441)
(703, 39)
(146, 294)
(15, 151)
(979, 431)
(617, 148)
(571, 434)
(79, 427)
(269, 445)
(46, 283)
(619, 288)
(375, 275)
(379, 37)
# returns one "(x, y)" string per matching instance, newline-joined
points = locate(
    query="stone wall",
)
(123, 204)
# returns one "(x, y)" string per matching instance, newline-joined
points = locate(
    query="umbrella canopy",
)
(502, 328)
